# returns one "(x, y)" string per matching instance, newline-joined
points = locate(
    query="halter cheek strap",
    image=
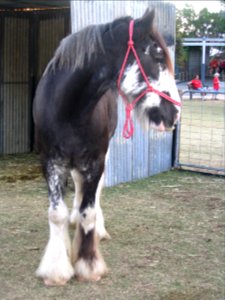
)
(128, 128)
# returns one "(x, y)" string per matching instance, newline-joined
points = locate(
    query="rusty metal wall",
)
(150, 152)
(27, 42)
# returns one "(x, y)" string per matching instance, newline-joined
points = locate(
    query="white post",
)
(203, 60)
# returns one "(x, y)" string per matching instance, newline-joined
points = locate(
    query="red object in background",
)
(216, 83)
(196, 84)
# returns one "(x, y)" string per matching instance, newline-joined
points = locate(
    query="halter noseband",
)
(128, 128)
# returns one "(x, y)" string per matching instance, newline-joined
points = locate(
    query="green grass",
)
(167, 238)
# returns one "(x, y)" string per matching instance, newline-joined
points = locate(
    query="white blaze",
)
(165, 83)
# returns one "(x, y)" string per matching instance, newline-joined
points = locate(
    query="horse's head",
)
(152, 52)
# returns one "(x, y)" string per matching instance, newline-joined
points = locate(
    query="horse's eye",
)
(157, 52)
(159, 49)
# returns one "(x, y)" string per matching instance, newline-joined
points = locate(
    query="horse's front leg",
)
(74, 217)
(55, 267)
(87, 259)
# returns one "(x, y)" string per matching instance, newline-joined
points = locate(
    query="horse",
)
(75, 116)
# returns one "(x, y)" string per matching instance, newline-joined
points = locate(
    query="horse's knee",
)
(58, 215)
(88, 219)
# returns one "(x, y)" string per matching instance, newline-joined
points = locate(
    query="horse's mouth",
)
(163, 128)
(170, 129)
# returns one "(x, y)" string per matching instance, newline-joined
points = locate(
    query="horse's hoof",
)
(59, 282)
(92, 278)
(86, 270)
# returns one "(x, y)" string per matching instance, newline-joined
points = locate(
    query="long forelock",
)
(78, 49)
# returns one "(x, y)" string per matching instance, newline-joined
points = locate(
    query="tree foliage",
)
(191, 24)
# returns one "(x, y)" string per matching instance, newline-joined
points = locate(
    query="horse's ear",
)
(148, 19)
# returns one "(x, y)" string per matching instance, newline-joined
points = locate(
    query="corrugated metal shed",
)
(15, 105)
(20, 4)
(150, 152)
(147, 153)
(28, 40)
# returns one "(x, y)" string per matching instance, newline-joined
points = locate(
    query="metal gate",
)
(201, 134)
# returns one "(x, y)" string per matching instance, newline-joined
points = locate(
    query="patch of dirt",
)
(19, 168)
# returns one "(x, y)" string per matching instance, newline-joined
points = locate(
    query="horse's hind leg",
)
(78, 183)
(86, 256)
(100, 224)
(55, 267)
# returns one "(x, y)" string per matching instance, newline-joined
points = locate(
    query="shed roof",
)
(12, 4)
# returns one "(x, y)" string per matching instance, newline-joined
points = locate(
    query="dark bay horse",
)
(75, 115)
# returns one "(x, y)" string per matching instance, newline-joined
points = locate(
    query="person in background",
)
(216, 85)
(196, 84)
(213, 65)
(222, 67)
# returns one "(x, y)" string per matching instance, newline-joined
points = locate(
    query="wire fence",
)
(201, 133)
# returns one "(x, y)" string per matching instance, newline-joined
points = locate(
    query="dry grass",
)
(167, 237)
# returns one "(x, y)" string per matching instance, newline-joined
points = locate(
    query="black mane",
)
(84, 46)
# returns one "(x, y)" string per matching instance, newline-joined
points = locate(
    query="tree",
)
(190, 24)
